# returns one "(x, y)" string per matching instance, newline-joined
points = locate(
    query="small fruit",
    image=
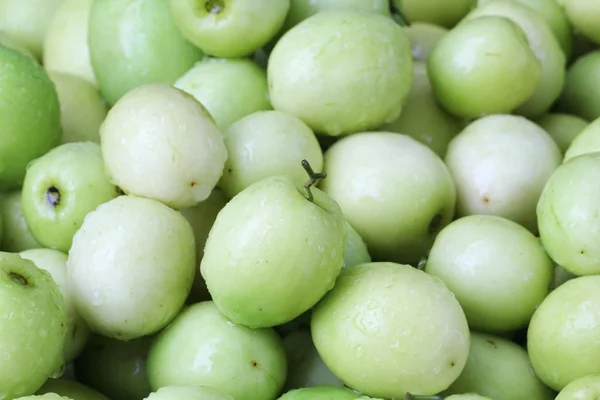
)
(587, 387)
(581, 94)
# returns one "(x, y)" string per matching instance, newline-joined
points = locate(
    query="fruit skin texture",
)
(395, 191)
(30, 115)
(563, 340)
(568, 215)
(500, 164)
(356, 249)
(248, 364)
(70, 388)
(563, 128)
(320, 393)
(468, 82)
(584, 16)
(232, 28)
(588, 141)
(61, 188)
(16, 235)
(34, 321)
(369, 330)
(161, 143)
(335, 73)
(272, 254)
(131, 267)
(581, 94)
(133, 43)
(188, 393)
(587, 387)
(446, 14)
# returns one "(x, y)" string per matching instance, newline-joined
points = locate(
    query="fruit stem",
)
(416, 397)
(313, 176)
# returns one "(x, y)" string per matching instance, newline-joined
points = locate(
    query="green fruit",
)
(584, 16)
(499, 369)
(587, 141)
(224, 28)
(7, 41)
(70, 389)
(423, 38)
(248, 364)
(562, 127)
(463, 74)
(468, 396)
(320, 393)
(134, 43)
(569, 215)
(423, 118)
(585, 388)
(500, 164)
(34, 326)
(66, 47)
(386, 329)
(61, 188)
(545, 47)
(446, 14)
(356, 249)
(581, 95)
(82, 108)
(267, 143)
(395, 191)
(302, 9)
(131, 267)
(272, 253)
(169, 138)
(30, 115)
(55, 262)
(335, 73)
(563, 339)
(230, 89)
(115, 367)
(188, 393)
(16, 235)
(47, 396)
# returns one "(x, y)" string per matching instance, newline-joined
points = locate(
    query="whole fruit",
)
(161, 143)
(386, 329)
(587, 141)
(335, 73)
(463, 74)
(150, 248)
(563, 340)
(273, 252)
(581, 94)
(423, 38)
(188, 393)
(563, 128)
(585, 388)
(500, 164)
(16, 235)
(323, 392)
(395, 191)
(446, 14)
(201, 334)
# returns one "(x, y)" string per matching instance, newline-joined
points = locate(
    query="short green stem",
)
(313, 176)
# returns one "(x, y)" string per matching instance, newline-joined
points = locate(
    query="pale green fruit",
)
(320, 393)
(395, 191)
(230, 89)
(584, 15)
(248, 364)
(305, 366)
(34, 326)
(66, 47)
(268, 143)
(468, 396)
(272, 253)
(150, 248)
(356, 249)
(423, 118)
(335, 73)
(82, 109)
(500, 165)
(561, 276)
(133, 43)
(581, 94)
(27, 21)
(569, 215)
(229, 28)
(563, 340)
(7, 41)
(423, 38)
(47, 396)
(61, 188)
(16, 235)
(562, 127)
(496, 268)
(545, 46)
(386, 329)
(499, 369)
(55, 262)
(114, 367)
(585, 388)
(161, 143)
(188, 393)
(70, 389)
(302, 9)
(30, 114)
(462, 73)
(446, 14)
(588, 141)
(201, 218)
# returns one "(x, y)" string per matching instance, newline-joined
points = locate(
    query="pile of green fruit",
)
(300, 199)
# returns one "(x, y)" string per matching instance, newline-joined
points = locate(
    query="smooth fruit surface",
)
(188, 393)
(446, 14)
(423, 38)
(356, 249)
(584, 17)
(563, 128)
(587, 141)
(322, 392)
(70, 389)
(581, 95)
(586, 388)
(16, 235)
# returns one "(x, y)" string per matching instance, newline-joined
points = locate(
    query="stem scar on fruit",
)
(313, 176)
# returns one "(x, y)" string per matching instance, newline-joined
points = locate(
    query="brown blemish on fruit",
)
(193, 183)
(18, 278)
(486, 200)
(253, 363)
(492, 343)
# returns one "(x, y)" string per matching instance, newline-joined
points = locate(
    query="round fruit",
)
(587, 141)
(581, 94)
(562, 127)
(446, 14)
(321, 393)
(586, 388)
(584, 16)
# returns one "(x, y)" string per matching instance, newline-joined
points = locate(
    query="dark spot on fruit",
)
(492, 343)
(18, 278)
(581, 251)
(193, 183)
(53, 196)
(435, 224)
(452, 363)
(214, 6)
(486, 200)
(229, 170)
(254, 363)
